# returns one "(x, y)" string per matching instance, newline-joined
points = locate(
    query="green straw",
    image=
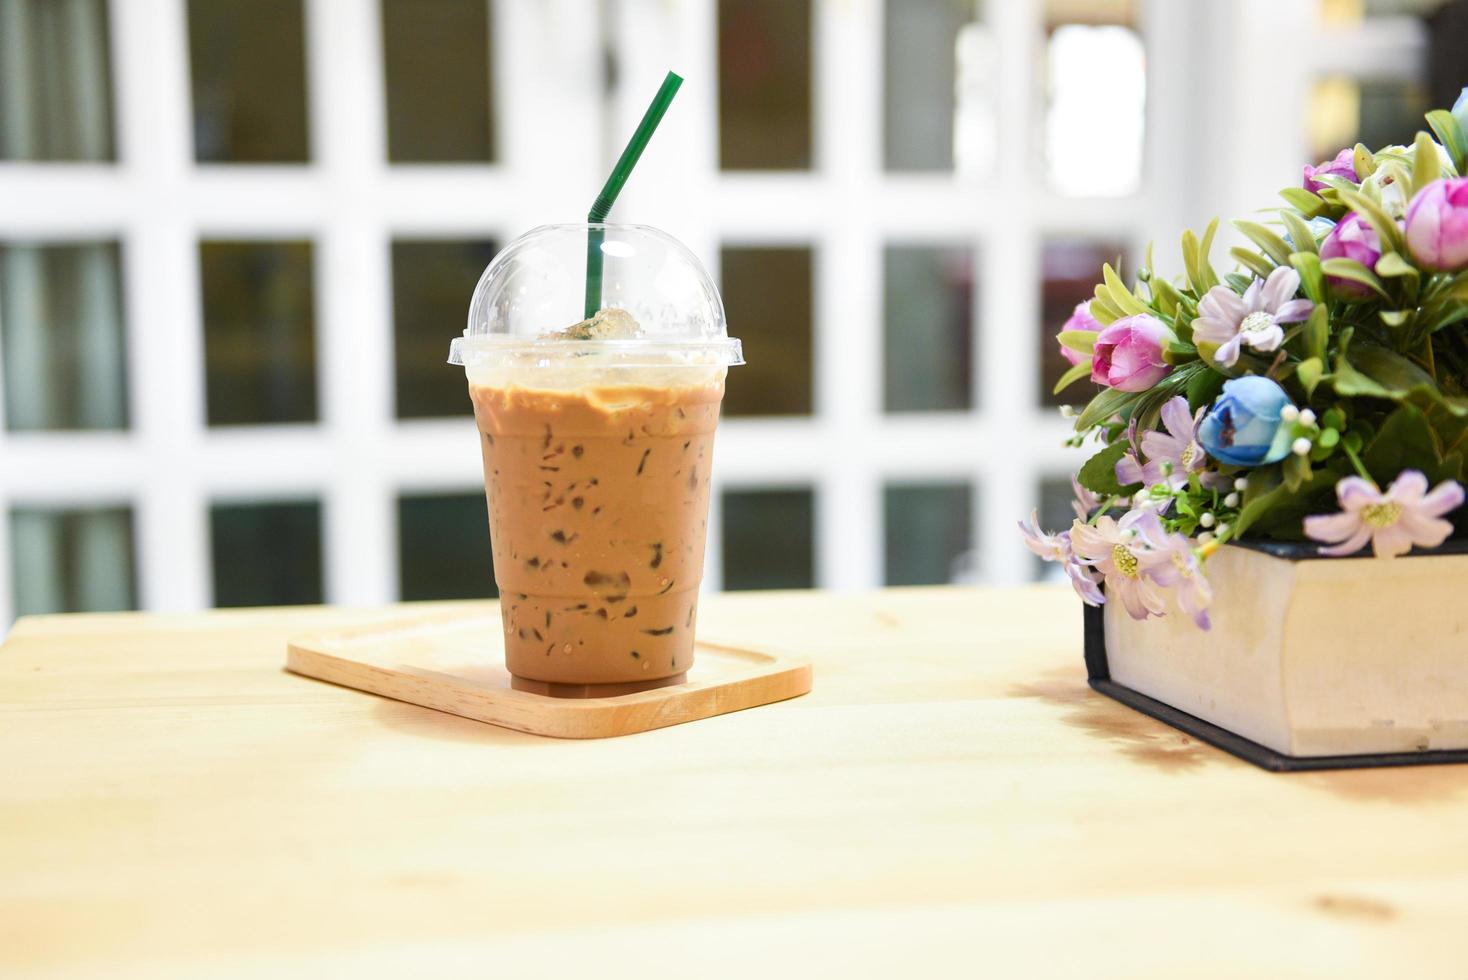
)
(613, 187)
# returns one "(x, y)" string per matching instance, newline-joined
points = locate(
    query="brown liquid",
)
(598, 507)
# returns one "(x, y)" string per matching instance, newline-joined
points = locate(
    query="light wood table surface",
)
(950, 800)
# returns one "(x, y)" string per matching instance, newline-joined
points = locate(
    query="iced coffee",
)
(597, 443)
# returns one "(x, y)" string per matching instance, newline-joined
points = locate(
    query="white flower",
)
(1228, 320)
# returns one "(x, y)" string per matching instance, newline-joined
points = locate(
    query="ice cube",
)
(611, 323)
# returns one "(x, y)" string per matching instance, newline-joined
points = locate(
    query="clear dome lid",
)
(658, 306)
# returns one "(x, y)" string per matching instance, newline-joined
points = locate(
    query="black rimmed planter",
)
(1312, 662)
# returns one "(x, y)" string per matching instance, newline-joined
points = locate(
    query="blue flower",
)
(1244, 428)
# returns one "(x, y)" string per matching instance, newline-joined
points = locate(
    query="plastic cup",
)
(597, 438)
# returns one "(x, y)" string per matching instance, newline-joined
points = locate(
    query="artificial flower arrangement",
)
(1319, 391)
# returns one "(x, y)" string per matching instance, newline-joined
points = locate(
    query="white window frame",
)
(548, 82)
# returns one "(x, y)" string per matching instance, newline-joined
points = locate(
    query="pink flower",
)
(1171, 455)
(1437, 225)
(1056, 548)
(1393, 522)
(1227, 320)
(1122, 556)
(1344, 165)
(1128, 354)
(1081, 319)
(1353, 238)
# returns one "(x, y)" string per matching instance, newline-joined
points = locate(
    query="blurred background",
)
(236, 237)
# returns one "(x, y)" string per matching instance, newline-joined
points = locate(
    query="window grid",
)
(350, 204)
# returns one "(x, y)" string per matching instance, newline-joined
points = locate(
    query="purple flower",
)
(1406, 515)
(1181, 572)
(1228, 320)
(1081, 319)
(1128, 354)
(1056, 548)
(1171, 455)
(1085, 503)
(1344, 165)
(1116, 550)
(1352, 238)
(1437, 225)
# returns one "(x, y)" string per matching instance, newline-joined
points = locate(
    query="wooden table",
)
(951, 799)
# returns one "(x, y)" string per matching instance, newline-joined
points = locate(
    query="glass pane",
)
(1069, 272)
(72, 560)
(61, 336)
(769, 539)
(1344, 111)
(431, 285)
(764, 84)
(443, 547)
(928, 302)
(767, 296)
(248, 65)
(436, 58)
(259, 332)
(1054, 507)
(920, 98)
(266, 554)
(928, 529)
(55, 81)
(1096, 83)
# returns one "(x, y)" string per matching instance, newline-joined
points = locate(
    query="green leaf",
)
(1272, 244)
(1405, 441)
(1306, 202)
(1301, 236)
(1205, 268)
(1316, 332)
(1190, 263)
(1266, 486)
(1386, 229)
(1451, 136)
(1307, 264)
(1310, 371)
(1164, 295)
(1203, 388)
(1350, 383)
(1343, 268)
(1389, 369)
(1426, 165)
(1393, 266)
(1080, 341)
(1296, 471)
(1076, 373)
(1106, 404)
(1102, 308)
(1364, 162)
(1099, 472)
(1121, 297)
(1254, 263)
(1280, 512)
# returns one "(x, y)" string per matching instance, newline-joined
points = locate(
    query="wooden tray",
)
(457, 665)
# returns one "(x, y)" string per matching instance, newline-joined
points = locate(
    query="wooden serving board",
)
(457, 665)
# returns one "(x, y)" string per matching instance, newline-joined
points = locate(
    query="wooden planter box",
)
(1312, 663)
